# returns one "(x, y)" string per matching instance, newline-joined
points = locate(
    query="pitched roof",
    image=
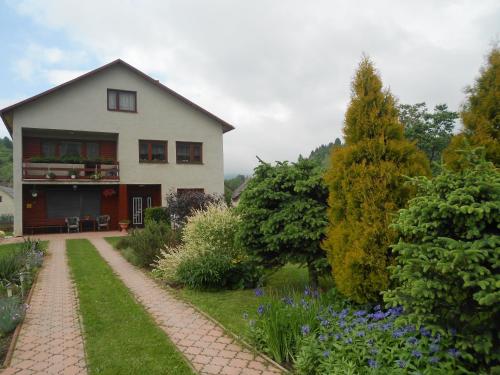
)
(225, 125)
(237, 192)
(7, 190)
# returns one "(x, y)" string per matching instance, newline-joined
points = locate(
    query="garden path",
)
(203, 342)
(50, 340)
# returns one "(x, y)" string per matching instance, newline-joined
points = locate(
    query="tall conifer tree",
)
(480, 116)
(366, 184)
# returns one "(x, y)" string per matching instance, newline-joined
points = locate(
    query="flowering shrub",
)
(209, 256)
(11, 313)
(321, 337)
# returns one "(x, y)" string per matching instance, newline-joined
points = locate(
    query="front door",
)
(137, 214)
(139, 203)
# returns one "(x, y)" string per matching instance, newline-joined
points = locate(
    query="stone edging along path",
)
(50, 339)
(203, 342)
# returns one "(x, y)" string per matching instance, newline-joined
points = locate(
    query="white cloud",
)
(279, 71)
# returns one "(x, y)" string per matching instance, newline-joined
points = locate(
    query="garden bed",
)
(10, 256)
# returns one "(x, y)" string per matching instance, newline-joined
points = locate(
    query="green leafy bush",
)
(283, 210)
(11, 314)
(448, 258)
(209, 256)
(156, 214)
(143, 246)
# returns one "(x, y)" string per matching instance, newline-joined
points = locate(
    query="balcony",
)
(71, 172)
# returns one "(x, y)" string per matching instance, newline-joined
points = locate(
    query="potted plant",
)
(124, 223)
(96, 176)
(73, 173)
(50, 175)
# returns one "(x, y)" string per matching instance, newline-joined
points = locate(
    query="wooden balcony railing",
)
(70, 172)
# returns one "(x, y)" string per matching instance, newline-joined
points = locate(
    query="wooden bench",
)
(44, 226)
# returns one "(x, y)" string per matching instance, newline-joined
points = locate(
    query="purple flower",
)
(326, 353)
(259, 292)
(261, 309)
(361, 334)
(377, 308)
(413, 340)
(307, 291)
(398, 333)
(425, 332)
(338, 336)
(454, 352)
(370, 342)
(401, 363)
(305, 330)
(386, 326)
(378, 315)
(372, 363)
(416, 354)
(288, 300)
(322, 338)
(359, 313)
(325, 323)
(433, 360)
(374, 351)
(348, 341)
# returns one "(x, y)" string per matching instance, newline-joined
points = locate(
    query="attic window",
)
(121, 100)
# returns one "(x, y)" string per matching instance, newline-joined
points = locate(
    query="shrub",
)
(322, 336)
(209, 256)
(11, 314)
(447, 271)
(157, 214)
(366, 182)
(283, 210)
(180, 205)
(145, 244)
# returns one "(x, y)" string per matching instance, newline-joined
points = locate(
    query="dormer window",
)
(121, 100)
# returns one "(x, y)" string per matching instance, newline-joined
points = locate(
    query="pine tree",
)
(366, 185)
(480, 116)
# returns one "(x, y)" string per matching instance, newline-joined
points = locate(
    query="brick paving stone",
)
(51, 319)
(186, 327)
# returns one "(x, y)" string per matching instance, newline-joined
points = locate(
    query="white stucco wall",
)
(82, 106)
(6, 204)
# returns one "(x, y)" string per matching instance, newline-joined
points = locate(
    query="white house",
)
(110, 142)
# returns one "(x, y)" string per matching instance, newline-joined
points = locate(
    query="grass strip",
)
(120, 336)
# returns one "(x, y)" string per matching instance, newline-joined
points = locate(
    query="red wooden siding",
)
(31, 147)
(109, 205)
(108, 150)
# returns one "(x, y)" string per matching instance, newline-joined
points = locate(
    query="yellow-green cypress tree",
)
(366, 184)
(480, 116)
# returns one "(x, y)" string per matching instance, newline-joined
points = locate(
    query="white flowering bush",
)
(209, 256)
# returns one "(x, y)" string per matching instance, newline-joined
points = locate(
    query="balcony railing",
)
(70, 172)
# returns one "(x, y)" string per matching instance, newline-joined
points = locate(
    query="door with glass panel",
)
(137, 214)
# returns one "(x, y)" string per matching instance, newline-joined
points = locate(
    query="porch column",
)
(122, 202)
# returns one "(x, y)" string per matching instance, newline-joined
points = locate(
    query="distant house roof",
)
(7, 190)
(237, 192)
(225, 125)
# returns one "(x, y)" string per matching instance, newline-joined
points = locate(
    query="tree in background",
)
(5, 161)
(480, 116)
(366, 183)
(321, 154)
(448, 257)
(431, 132)
(283, 215)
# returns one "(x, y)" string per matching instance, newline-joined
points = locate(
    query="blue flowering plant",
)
(318, 334)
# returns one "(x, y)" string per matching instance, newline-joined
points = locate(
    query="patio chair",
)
(73, 223)
(103, 222)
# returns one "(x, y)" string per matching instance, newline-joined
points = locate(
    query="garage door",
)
(65, 203)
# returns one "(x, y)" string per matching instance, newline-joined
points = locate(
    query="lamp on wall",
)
(75, 187)
(34, 193)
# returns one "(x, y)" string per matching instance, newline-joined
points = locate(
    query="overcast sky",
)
(280, 71)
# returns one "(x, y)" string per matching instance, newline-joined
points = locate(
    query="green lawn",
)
(228, 306)
(120, 336)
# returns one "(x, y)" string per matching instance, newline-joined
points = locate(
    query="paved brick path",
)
(50, 340)
(204, 343)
